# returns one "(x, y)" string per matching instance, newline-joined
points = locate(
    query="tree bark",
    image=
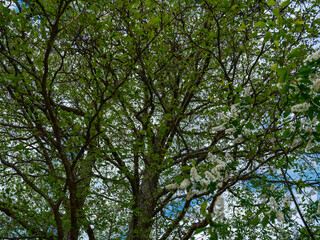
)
(142, 218)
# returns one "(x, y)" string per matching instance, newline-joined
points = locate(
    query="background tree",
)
(129, 119)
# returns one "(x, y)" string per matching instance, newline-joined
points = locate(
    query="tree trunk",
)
(145, 203)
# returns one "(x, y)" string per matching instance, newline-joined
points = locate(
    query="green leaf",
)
(271, 3)
(274, 67)
(286, 133)
(200, 230)
(203, 208)
(242, 27)
(265, 221)
(282, 72)
(185, 168)
(276, 12)
(285, 88)
(212, 187)
(255, 220)
(179, 179)
(214, 236)
(294, 53)
(299, 22)
(113, 6)
(285, 3)
(260, 24)
(250, 125)
(19, 147)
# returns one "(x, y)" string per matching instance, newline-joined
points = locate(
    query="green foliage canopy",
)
(137, 119)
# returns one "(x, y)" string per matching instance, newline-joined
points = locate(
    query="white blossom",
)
(309, 129)
(220, 167)
(220, 201)
(314, 56)
(219, 185)
(172, 186)
(246, 132)
(200, 192)
(229, 157)
(273, 203)
(204, 183)
(314, 121)
(209, 176)
(213, 158)
(219, 208)
(280, 85)
(234, 111)
(286, 201)
(294, 85)
(217, 170)
(249, 106)
(272, 140)
(263, 198)
(219, 128)
(280, 216)
(247, 92)
(296, 141)
(231, 130)
(238, 140)
(272, 188)
(224, 117)
(194, 174)
(190, 195)
(185, 183)
(309, 145)
(300, 107)
(227, 174)
(216, 173)
(316, 85)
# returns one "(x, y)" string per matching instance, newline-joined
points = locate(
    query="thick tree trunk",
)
(142, 218)
(78, 193)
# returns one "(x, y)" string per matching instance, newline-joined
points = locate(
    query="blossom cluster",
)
(275, 208)
(226, 123)
(314, 56)
(218, 174)
(307, 86)
(218, 211)
(300, 107)
(316, 84)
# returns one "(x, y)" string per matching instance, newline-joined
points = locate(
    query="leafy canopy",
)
(159, 119)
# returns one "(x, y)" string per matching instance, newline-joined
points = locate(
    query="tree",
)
(132, 119)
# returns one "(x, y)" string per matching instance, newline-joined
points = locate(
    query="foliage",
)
(159, 119)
